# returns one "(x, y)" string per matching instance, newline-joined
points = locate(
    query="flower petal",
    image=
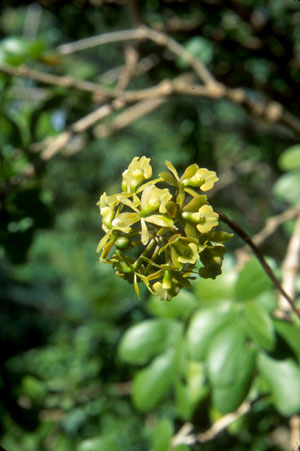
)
(159, 220)
(145, 234)
(172, 169)
(125, 220)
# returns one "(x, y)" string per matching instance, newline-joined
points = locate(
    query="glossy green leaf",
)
(252, 281)
(190, 393)
(151, 384)
(228, 398)
(215, 290)
(291, 334)
(147, 339)
(290, 159)
(283, 378)
(17, 50)
(183, 403)
(181, 305)
(105, 443)
(259, 325)
(267, 300)
(287, 187)
(162, 435)
(203, 327)
(225, 354)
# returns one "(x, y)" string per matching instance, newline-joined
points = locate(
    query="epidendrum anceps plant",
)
(162, 231)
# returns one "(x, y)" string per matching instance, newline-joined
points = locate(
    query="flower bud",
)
(122, 243)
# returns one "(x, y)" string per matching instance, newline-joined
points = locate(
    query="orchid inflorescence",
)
(158, 234)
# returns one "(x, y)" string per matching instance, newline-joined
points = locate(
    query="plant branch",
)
(50, 79)
(270, 111)
(273, 223)
(185, 436)
(141, 33)
(223, 423)
(245, 237)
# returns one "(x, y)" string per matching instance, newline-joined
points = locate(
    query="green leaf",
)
(283, 378)
(17, 50)
(190, 393)
(225, 354)
(228, 398)
(151, 384)
(181, 305)
(101, 443)
(287, 187)
(291, 334)
(251, 282)
(147, 339)
(200, 48)
(259, 325)
(290, 159)
(267, 300)
(204, 326)
(215, 290)
(183, 403)
(162, 435)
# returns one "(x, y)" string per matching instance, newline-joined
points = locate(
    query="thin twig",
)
(141, 33)
(50, 79)
(295, 431)
(131, 58)
(270, 111)
(130, 115)
(184, 436)
(224, 422)
(273, 223)
(245, 237)
(60, 141)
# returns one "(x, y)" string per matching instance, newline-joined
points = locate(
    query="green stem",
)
(148, 249)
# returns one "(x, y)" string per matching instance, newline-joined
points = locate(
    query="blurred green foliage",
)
(85, 365)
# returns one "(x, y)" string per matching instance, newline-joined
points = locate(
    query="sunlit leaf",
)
(259, 325)
(151, 384)
(291, 334)
(228, 398)
(283, 377)
(225, 354)
(252, 281)
(290, 158)
(147, 339)
(162, 435)
(204, 326)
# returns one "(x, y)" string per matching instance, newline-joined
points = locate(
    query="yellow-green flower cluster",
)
(157, 231)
